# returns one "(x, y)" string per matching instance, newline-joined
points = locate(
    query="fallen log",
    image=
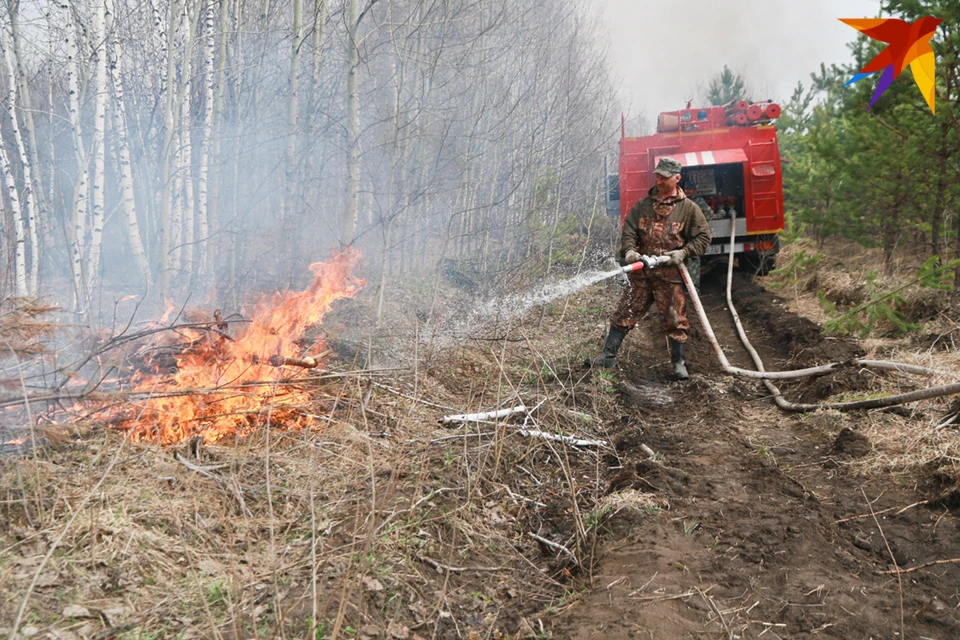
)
(573, 441)
(479, 417)
(206, 472)
(442, 567)
(553, 545)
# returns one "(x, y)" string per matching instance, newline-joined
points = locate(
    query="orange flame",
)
(235, 375)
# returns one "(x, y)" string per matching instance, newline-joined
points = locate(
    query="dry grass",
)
(373, 522)
(24, 328)
(908, 444)
(840, 275)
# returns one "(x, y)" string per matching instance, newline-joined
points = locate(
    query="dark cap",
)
(668, 167)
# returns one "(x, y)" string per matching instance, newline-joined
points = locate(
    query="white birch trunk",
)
(165, 158)
(34, 213)
(99, 37)
(159, 29)
(176, 218)
(319, 33)
(80, 187)
(124, 167)
(319, 30)
(20, 258)
(349, 221)
(184, 213)
(215, 177)
(176, 203)
(52, 183)
(292, 108)
(203, 229)
(28, 197)
(185, 177)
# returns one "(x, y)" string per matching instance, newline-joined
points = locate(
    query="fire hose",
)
(887, 401)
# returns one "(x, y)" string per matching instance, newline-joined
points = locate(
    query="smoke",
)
(663, 52)
(196, 152)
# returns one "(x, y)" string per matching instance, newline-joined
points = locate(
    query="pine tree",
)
(726, 87)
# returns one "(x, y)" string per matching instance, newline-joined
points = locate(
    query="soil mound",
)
(850, 443)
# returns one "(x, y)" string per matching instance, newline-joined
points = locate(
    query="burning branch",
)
(207, 359)
(120, 396)
(310, 362)
(196, 380)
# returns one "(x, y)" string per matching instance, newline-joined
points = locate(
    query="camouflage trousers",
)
(670, 297)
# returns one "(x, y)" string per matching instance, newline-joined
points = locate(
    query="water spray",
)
(462, 324)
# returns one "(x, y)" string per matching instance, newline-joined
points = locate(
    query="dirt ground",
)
(705, 512)
(765, 534)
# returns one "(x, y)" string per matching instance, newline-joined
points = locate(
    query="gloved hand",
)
(676, 257)
(631, 256)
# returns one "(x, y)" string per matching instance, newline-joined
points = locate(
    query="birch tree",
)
(181, 227)
(26, 110)
(124, 166)
(20, 239)
(99, 38)
(290, 159)
(165, 157)
(216, 119)
(222, 147)
(26, 165)
(350, 212)
(79, 196)
(203, 226)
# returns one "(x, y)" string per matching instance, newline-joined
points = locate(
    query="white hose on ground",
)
(761, 373)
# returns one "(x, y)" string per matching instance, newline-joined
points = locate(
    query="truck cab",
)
(730, 159)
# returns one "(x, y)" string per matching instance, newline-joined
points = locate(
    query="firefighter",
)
(664, 223)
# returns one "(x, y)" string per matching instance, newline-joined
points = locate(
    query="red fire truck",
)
(730, 159)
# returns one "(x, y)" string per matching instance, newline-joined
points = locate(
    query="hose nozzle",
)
(645, 262)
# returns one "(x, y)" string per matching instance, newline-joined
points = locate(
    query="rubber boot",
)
(679, 359)
(608, 357)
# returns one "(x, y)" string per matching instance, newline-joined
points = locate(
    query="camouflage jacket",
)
(656, 225)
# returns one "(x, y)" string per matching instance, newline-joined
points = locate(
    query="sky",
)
(661, 52)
